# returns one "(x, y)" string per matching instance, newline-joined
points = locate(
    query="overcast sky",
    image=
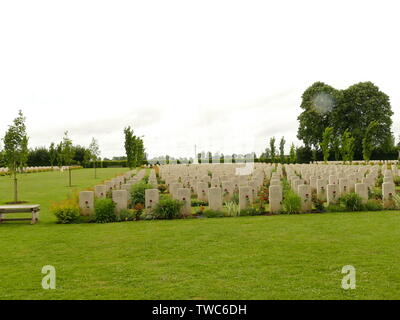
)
(225, 75)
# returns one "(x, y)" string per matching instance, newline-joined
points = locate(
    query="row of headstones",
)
(213, 195)
(360, 161)
(119, 188)
(152, 197)
(332, 189)
(342, 171)
(216, 170)
(218, 188)
(215, 179)
(36, 169)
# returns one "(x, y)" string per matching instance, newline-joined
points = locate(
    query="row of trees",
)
(16, 154)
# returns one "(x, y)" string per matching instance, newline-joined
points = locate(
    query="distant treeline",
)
(41, 157)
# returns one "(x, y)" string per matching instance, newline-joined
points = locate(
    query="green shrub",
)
(137, 192)
(396, 180)
(352, 201)
(66, 213)
(379, 181)
(168, 208)
(375, 194)
(250, 212)
(291, 202)
(127, 215)
(373, 205)
(232, 209)
(235, 197)
(209, 213)
(198, 203)
(318, 203)
(396, 201)
(162, 188)
(104, 210)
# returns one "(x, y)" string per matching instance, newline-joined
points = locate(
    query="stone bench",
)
(34, 209)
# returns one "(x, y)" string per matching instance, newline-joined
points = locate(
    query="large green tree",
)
(317, 103)
(351, 109)
(369, 140)
(361, 104)
(16, 149)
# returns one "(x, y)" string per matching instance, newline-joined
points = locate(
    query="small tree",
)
(335, 143)
(368, 141)
(16, 149)
(326, 142)
(347, 149)
(59, 157)
(282, 149)
(95, 153)
(314, 154)
(67, 152)
(52, 154)
(272, 149)
(293, 154)
(130, 147)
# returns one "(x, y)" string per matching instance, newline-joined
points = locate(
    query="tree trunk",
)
(15, 187)
(95, 176)
(69, 173)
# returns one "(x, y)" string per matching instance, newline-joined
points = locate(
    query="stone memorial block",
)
(152, 197)
(227, 190)
(313, 182)
(343, 186)
(332, 194)
(275, 182)
(388, 191)
(126, 186)
(120, 197)
(202, 191)
(333, 179)
(215, 183)
(362, 190)
(351, 178)
(173, 187)
(245, 197)
(254, 188)
(388, 179)
(215, 198)
(304, 191)
(109, 186)
(296, 184)
(100, 191)
(183, 194)
(86, 202)
(275, 198)
(321, 189)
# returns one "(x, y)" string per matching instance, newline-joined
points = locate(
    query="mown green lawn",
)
(264, 257)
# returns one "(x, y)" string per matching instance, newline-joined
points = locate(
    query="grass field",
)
(263, 257)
